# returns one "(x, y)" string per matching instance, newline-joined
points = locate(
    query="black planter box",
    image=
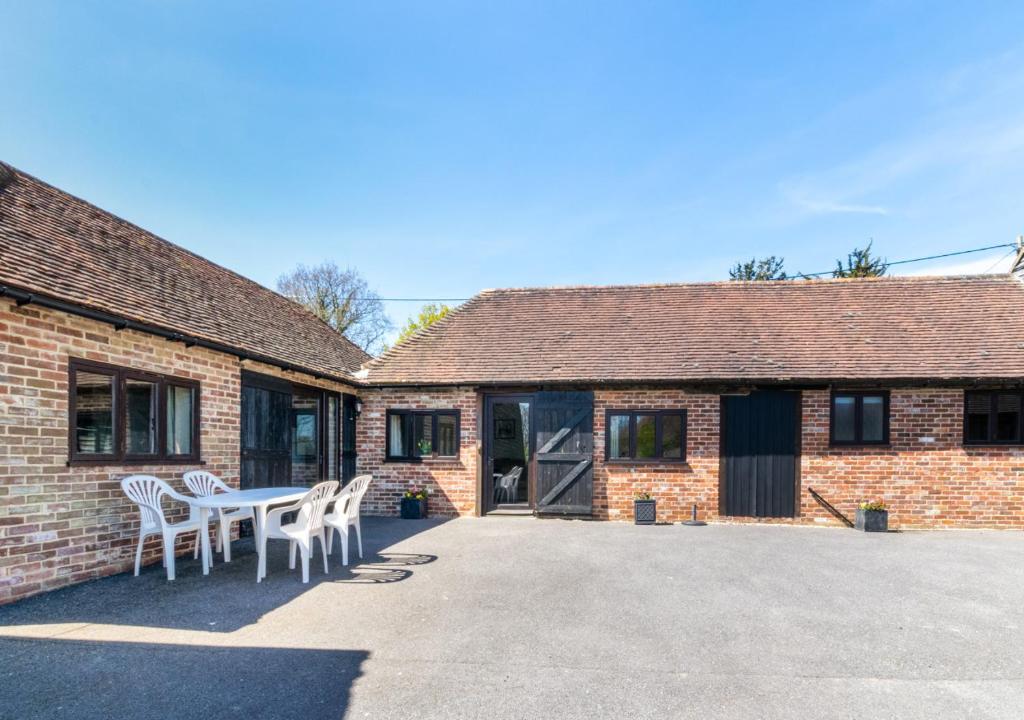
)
(645, 512)
(873, 520)
(413, 509)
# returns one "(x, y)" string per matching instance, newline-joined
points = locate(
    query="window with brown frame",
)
(412, 435)
(860, 417)
(121, 415)
(993, 417)
(645, 435)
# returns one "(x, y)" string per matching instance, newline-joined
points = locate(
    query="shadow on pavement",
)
(229, 597)
(85, 679)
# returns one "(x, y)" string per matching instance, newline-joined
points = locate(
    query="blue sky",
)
(441, 147)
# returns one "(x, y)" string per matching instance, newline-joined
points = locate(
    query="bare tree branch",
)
(342, 299)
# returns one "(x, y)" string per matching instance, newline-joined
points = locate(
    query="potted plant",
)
(414, 503)
(645, 509)
(872, 517)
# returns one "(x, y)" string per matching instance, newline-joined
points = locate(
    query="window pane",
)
(978, 407)
(396, 444)
(618, 436)
(332, 437)
(671, 436)
(140, 407)
(423, 435)
(645, 435)
(873, 418)
(447, 442)
(1007, 417)
(304, 440)
(94, 413)
(179, 420)
(843, 418)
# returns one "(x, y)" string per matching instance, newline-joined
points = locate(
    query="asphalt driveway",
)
(520, 618)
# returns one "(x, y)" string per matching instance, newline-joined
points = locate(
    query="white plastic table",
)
(259, 499)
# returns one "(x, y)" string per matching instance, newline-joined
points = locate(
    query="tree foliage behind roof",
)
(428, 315)
(766, 268)
(859, 264)
(341, 298)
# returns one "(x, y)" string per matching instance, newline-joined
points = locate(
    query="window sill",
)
(420, 460)
(646, 461)
(860, 446)
(1013, 444)
(133, 462)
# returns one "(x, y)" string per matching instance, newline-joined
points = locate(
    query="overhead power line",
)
(815, 274)
(922, 259)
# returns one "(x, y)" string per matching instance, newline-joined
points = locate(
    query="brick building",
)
(122, 353)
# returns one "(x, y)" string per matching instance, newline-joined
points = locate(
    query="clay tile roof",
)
(55, 244)
(815, 330)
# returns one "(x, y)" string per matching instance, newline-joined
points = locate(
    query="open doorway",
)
(508, 452)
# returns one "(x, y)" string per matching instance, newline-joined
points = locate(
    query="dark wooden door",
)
(760, 454)
(266, 434)
(565, 452)
(348, 437)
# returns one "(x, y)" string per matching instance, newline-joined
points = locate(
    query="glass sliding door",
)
(291, 433)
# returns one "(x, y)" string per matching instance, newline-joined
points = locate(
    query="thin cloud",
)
(817, 206)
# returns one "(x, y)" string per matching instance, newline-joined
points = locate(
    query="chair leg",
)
(330, 539)
(138, 553)
(169, 555)
(359, 538)
(304, 550)
(344, 545)
(291, 554)
(323, 549)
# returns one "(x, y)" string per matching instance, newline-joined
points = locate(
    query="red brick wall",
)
(927, 477)
(60, 525)
(926, 483)
(451, 482)
(676, 486)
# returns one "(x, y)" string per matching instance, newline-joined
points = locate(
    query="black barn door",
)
(759, 454)
(348, 437)
(266, 433)
(565, 452)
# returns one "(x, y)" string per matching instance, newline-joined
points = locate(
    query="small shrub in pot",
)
(414, 503)
(645, 509)
(872, 517)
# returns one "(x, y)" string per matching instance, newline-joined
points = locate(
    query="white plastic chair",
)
(507, 487)
(203, 484)
(346, 515)
(148, 493)
(308, 524)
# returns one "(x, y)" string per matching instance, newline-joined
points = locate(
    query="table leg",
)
(204, 527)
(260, 522)
(224, 528)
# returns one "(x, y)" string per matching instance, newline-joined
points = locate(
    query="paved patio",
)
(518, 618)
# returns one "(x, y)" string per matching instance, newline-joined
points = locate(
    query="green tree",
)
(766, 268)
(860, 263)
(428, 315)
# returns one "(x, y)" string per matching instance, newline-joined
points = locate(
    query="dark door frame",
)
(486, 485)
(797, 452)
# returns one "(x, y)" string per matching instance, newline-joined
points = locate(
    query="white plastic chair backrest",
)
(147, 492)
(203, 484)
(358, 488)
(509, 479)
(315, 503)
